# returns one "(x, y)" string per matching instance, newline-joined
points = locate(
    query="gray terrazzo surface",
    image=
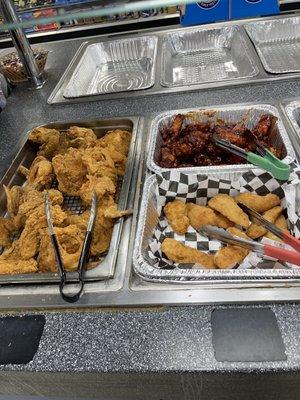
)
(174, 340)
(177, 339)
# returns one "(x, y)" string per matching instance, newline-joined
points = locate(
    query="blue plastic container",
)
(253, 8)
(204, 11)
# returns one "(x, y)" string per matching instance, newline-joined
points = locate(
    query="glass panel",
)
(54, 14)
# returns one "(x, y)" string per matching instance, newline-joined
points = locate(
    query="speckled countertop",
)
(175, 339)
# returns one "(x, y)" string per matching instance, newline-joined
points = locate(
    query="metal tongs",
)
(278, 253)
(84, 255)
(265, 160)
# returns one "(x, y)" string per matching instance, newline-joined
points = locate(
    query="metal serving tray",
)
(105, 269)
(277, 43)
(206, 55)
(293, 112)
(57, 95)
(232, 113)
(115, 66)
(144, 266)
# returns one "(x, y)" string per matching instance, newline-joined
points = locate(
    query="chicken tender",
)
(40, 175)
(255, 231)
(181, 254)
(258, 203)
(280, 223)
(201, 215)
(226, 206)
(176, 214)
(70, 172)
(229, 256)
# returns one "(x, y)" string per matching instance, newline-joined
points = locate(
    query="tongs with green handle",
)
(265, 159)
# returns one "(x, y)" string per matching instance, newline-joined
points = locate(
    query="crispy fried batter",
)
(40, 175)
(201, 215)
(229, 256)
(6, 230)
(13, 198)
(13, 267)
(258, 203)
(226, 206)
(256, 231)
(118, 138)
(70, 172)
(280, 223)
(48, 138)
(101, 185)
(181, 254)
(176, 214)
(113, 212)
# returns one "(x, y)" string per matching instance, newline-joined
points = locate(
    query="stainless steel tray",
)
(115, 66)
(230, 113)
(57, 95)
(293, 112)
(150, 211)
(277, 43)
(206, 55)
(105, 268)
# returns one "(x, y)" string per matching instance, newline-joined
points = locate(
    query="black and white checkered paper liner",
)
(200, 189)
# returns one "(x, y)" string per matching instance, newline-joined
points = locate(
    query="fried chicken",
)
(7, 229)
(176, 214)
(229, 256)
(13, 267)
(40, 175)
(101, 185)
(201, 215)
(258, 203)
(48, 138)
(181, 254)
(70, 171)
(226, 206)
(280, 223)
(255, 231)
(117, 138)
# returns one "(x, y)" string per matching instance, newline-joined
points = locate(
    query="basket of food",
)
(12, 67)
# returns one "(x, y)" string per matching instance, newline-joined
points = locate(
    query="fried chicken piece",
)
(14, 267)
(181, 254)
(103, 227)
(118, 138)
(258, 203)
(87, 135)
(40, 175)
(7, 229)
(255, 231)
(99, 162)
(229, 256)
(226, 206)
(70, 240)
(48, 138)
(280, 223)
(113, 212)
(176, 214)
(13, 198)
(70, 172)
(201, 215)
(264, 126)
(101, 185)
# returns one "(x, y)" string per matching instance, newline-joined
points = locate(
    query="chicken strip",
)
(118, 138)
(226, 206)
(181, 254)
(40, 175)
(70, 171)
(258, 203)
(48, 138)
(177, 217)
(201, 215)
(280, 223)
(101, 185)
(255, 231)
(229, 256)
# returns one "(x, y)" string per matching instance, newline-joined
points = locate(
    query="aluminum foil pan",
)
(277, 43)
(293, 112)
(200, 55)
(114, 66)
(232, 113)
(151, 209)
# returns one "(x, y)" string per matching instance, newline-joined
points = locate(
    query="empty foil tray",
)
(277, 43)
(197, 56)
(114, 66)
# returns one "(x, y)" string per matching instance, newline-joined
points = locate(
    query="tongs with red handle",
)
(285, 236)
(223, 236)
(84, 255)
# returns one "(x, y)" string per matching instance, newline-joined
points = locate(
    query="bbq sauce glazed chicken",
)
(190, 145)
